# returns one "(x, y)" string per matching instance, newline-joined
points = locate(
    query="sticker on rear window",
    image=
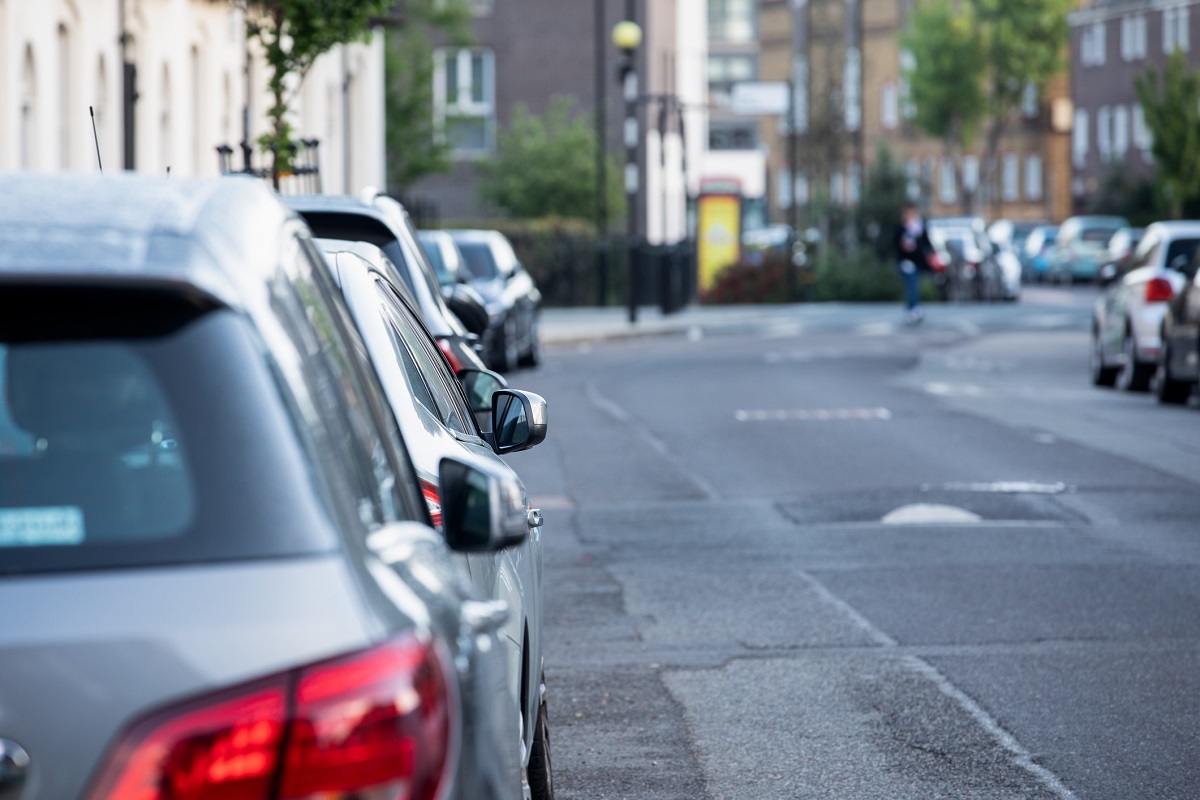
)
(40, 527)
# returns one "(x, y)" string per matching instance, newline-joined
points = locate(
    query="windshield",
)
(430, 246)
(479, 260)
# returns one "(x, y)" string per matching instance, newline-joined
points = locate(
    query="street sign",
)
(759, 98)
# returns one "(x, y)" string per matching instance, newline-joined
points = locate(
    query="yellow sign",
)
(720, 235)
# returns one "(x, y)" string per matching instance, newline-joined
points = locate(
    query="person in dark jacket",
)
(912, 258)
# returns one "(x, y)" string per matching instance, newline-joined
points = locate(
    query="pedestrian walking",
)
(912, 258)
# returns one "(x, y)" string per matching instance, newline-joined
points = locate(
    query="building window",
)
(732, 134)
(947, 182)
(1120, 131)
(1133, 37)
(889, 99)
(732, 20)
(1175, 23)
(725, 69)
(1143, 140)
(837, 187)
(1092, 45)
(852, 89)
(783, 189)
(464, 98)
(908, 63)
(854, 183)
(970, 170)
(1029, 101)
(1104, 133)
(1079, 138)
(801, 193)
(1033, 178)
(912, 173)
(1009, 178)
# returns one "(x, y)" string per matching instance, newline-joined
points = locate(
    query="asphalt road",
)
(827, 556)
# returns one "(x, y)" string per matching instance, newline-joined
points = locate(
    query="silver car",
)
(438, 420)
(218, 570)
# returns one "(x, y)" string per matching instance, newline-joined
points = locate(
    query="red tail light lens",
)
(374, 722)
(1159, 290)
(452, 358)
(434, 502)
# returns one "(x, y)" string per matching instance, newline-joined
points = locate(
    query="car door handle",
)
(534, 515)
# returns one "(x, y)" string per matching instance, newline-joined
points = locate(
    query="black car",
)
(383, 222)
(512, 297)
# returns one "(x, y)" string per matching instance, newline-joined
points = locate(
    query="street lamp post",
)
(627, 35)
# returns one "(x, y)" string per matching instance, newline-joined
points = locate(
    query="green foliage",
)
(1023, 42)
(946, 84)
(883, 199)
(1171, 102)
(1136, 200)
(857, 278)
(414, 147)
(293, 34)
(546, 166)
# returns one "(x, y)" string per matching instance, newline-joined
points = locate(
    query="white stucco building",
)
(197, 83)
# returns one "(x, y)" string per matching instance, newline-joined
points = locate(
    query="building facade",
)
(166, 82)
(849, 63)
(1112, 43)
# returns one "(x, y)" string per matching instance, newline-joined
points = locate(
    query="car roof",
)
(212, 234)
(1173, 228)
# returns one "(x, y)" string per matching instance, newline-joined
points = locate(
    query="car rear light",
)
(375, 723)
(434, 501)
(1159, 290)
(452, 358)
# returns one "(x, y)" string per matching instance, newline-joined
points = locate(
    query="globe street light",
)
(627, 36)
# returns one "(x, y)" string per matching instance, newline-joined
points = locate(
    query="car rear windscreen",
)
(479, 261)
(358, 228)
(142, 428)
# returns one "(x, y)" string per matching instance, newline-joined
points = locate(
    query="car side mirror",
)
(482, 507)
(518, 421)
(1107, 274)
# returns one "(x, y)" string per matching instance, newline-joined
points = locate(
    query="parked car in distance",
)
(1178, 370)
(438, 421)
(975, 272)
(383, 222)
(1080, 247)
(226, 579)
(447, 262)
(1038, 252)
(513, 300)
(1128, 316)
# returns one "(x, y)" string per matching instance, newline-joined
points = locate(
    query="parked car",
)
(1038, 252)
(447, 262)
(1178, 369)
(1128, 316)
(1080, 247)
(383, 222)
(975, 273)
(513, 300)
(222, 572)
(438, 421)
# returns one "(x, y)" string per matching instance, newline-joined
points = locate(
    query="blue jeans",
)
(912, 288)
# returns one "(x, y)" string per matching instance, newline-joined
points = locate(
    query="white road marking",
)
(931, 514)
(811, 414)
(954, 390)
(1020, 755)
(1007, 487)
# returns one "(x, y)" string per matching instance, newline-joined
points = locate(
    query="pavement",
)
(577, 325)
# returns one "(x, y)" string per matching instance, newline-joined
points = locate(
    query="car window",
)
(1180, 248)
(477, 257)
(433, 252)
(139, 429)
(411, 352)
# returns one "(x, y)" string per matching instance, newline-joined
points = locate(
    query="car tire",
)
(504, 350)
(533, 356)
(541, 777)
(1102, 374)
(1134, 375)
(1170, 391)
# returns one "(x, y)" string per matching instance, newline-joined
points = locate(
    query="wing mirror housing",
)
(1107, 274)
(518, 421)
(482, 507)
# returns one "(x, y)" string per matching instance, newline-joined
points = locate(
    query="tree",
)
(1023, 44)
(946, 82)
(293, 34)
(1171, 104)
(545, 167)
(884, 196)
(415, 147)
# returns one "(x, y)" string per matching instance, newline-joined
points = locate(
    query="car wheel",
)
(504, 351)
(533, 356)
(1102, 374)
(1170, 391)
(1134, 375)
(541, 778)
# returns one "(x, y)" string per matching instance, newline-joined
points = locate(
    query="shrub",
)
(861, 278)
(746, 282)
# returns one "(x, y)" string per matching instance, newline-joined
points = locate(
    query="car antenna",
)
(96, 138)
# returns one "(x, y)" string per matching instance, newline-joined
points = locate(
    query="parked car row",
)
(252, 511)
(978, 267)
(1144, 324)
